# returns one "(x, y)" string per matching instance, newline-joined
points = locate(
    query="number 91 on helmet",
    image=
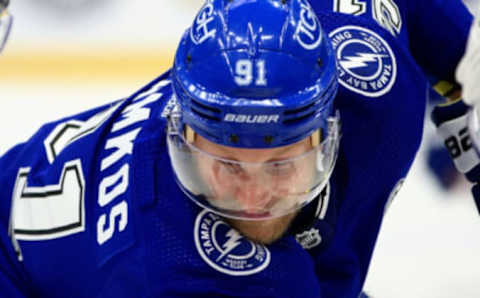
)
(5, 23)
(254, 134)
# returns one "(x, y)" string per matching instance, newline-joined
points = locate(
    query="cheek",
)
(203, 166)
(211, 173)
(300, 177)
(306, 180)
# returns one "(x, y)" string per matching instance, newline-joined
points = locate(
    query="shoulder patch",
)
(366, 63)
(226, 250)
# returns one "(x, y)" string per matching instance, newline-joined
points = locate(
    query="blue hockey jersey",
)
(89, 206)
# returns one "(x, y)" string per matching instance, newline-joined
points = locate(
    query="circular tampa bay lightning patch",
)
(225, 249)
(366, 63)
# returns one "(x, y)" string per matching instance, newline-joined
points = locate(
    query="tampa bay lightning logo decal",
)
(225, 250)
(366, 63)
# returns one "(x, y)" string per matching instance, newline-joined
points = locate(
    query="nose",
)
(253, 196)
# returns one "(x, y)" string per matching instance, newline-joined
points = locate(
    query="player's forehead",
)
(253, 155)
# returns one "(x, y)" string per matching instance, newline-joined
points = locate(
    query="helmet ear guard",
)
(315, 138)
(189, 134)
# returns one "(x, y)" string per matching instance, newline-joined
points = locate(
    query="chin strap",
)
(451, 121)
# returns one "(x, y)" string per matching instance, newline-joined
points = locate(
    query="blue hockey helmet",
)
(254, 75)
(5, 23)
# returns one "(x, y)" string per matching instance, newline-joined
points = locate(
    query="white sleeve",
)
(468, 70)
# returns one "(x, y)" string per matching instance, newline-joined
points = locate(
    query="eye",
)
(280, 168)
(232, 168)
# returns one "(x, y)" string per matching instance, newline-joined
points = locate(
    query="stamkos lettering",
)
(122, 144)
(115, 185)
(200, 28)
(308, 33)
(259, 119)
(136, 112)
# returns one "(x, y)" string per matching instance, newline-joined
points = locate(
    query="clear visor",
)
(5, 26)
(252, 190)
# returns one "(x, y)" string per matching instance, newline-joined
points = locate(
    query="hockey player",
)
(5, 23)
(260, 165)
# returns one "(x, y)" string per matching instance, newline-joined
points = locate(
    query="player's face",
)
(266, 181)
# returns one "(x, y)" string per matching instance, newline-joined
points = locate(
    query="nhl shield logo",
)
(225, 249)
(366, 63)
(309, 239)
